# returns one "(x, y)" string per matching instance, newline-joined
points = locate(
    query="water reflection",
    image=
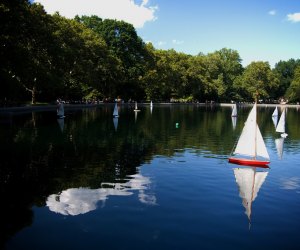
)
(61, 123)
(233, 119)
(249, 181)
(115, 121)
(279, 147)
(75, 201)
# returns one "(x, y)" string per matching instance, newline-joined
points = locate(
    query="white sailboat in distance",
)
(281, 125)
(250, 149)
(136, 107)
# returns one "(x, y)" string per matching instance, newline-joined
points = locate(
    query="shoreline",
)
(51, 107)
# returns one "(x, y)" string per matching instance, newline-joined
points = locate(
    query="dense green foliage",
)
(43, 57)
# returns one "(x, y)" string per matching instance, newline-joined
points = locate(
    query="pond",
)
(154, 179)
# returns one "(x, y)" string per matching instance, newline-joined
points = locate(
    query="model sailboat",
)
(136, 107)
(234, 111)
(281, 125)
(249, 181)
(250, 149)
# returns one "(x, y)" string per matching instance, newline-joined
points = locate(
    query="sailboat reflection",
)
(233, 118)
(279, 146)
(249, 181)
(61, 123)
(115, 121)
(75, 201)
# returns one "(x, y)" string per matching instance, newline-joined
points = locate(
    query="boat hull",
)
(248, 162)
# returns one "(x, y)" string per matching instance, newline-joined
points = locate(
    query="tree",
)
(128, 47)
(257, 78)
(285, 71)
(293, 92)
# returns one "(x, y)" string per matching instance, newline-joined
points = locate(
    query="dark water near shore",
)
(154, 179)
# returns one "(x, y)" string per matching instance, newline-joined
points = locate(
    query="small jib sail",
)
(249, 181)
(275, 112)
(116, 112)
(250, 149)
(234, 110)
(281, 125)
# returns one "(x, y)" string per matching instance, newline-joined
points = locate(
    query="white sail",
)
(116, 112)
(275, 120)
(251, 142)
(281, 124)
(249, 182)
(279, 146)
(275, 112)
(234, 110)
(151, 104)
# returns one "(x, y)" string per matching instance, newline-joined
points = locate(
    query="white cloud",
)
(126, 10)
(294, 18)
(174, 41)
(272, 12)
(161, 43)
(290, 183)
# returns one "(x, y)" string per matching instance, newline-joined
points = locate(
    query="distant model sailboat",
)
(136, 107)
(234, 111)
(250, 149)
(249, 181)
(281, 125)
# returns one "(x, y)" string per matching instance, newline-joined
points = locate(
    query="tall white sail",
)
(249, 182)
(116, 112)
(251, 142)
(281, 124)
(275, 112)
(234, 110)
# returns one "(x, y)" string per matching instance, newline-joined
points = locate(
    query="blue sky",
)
(260, 30)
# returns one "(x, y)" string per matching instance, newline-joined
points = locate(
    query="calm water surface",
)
(154, 179)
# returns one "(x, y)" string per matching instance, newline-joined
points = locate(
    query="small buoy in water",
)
(177, 125)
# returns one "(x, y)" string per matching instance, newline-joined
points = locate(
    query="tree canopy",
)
(44, 57)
